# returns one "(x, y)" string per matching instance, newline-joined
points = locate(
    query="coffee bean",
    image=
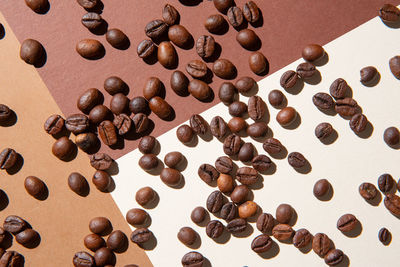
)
(173, 159)
(227, 93)
(346, 107)
(237, 225)
(302, 238)
(90, 48)
(78, 184)
(27, 237)
(156, 28)
(192, 259)
(251, 12)
(87, 4)
(232, 144)
(187, 236)
(312, 52)
(391, 136)
(286, 116)
(237, 109)
(38, 6)
(347, 222)
(141, 122)
(148, 162)
(205, 46)
(116, 38)
(117, 240)
(179, 36)
(321, 188)
(272, 146)
(245, 84)
(248, 39)
(306, 70)
(394, 64)
(215, 201)
(83, 259)
(368, 191)
(123, 123)
(196, 68)
(145, 195)
(246, 152)
(229, 211)
(99, 113)
(258, 63)
(392, 203)
(235, 16)
(385, 183)
(77, 123)
(5, 113)
(224, 164)
(199, 89)
(136, 216)
(284, 213)
(8, 158)
(389, 13)
(288, 79)
(198, 215)
(256, 108)
(179, 83)
(282, 232)
(89, 99)
(358, 123)
(276, 98)
(146, 48)
(35, 187)
(92, 21)
(63, 149)
(339, 88)
(107, 133)
(239, 194)
(367, 74)
(225, 183)
(237, 124)
(160, 107)
(166, 55)
(257, 129)
(321, 244)
(261, 163)
(170, 14)
(198, 124)
(141, 236)
(323, 130)
(14, 224)
(296, 160)
(215, 24)
(32, 52)
(102, 180)
(101, 161)
(224, 69)
(218, 127)
(265, 222)
(334, 257)
(261, 243)
(103, 256)
(384, 235)
(94, 242)
(223, 5)
(214, 229)
(185, 133)
(323, 101)
(114, 85)
(247, 209)
(171, 177)
(119, 104)
(147, 144)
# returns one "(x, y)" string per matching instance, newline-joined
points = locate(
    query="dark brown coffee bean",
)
(257, 129)
(251, 12)
(225, 183)
(101, 161)
(11, 258)
(323, 130)
(392, 203)
(247, 175)
(187, 236)
(339, 88)
(185, 133)
(205, 46)
(170, 14)
(321, 244)
(99, 113)
(237, 125)
(89, 99)
(256, 108)
(389, 13)
(77, 123)
(147, 144)
(215, 24)
(141, 122)
(312, 52)
(346, 107)
(94, 242)
(32, 52)
(27, 237)
(224, 164)
(323, 101)
(35, 187)
(117, 240)
(171, 177)
(284, 213)
(347, 222)
(63, 149)
(246, 152)
(166, 55)
(107, 133)
(196, 68)
(288, 79)
(148, 162)
(358, 123)
(156, 28)
(179, 83)
(198, 215)
(391, 136)
(117, 38)
(83, 259)
(394, 64)
(248, 39)
(214, 229)
(38, 6)
(368, 191)
(272, 146)
(224, 69)
(160, 107)
(145, 195)
(235, 16)
(173, 159)
(367, 74)
(87, 141)
(223, 5)
(5, 113)
(136, 216)
(237, 109)
(78, 184)
(237, 225)
(207, 173)
(119, 104)
(245, 84)
(385, 183)
(192, 259)
(239, 194)
(227, 93)
(14, 224)
(286, 116)
(302, 238)
(199, 89)
(103, 256)
(8, 158)
(179, 36)
(261, 243)
(123, 123)
(334, 257)
(229, 211)
(92, 21)
(102, 180)
(90, 48)
(282, 232)
(114, 85)
(384, 235)
(146, 48)
(321, 188)
(215, 201)
(306, 70)
(141, 236)
(276, 98)
(296, 160)
(232, 144)
(261, 163)
(198, 124)
(218, 127)
(87, 4)
(265, 222)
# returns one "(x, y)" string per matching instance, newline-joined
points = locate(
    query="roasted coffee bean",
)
(286, 116)
(196, 68)
(87, 4)
(248, 39)
(257, 129)
(117, 39)
(321, 188)
(8, 158)
(173, 159)
(224, 164)
(235, 16)
(391, 136)
(394, 64)
(215, 24)
(306, 70)
(103, 256)
(198, 124)
(94, 242)
(232, 144)
(385, 183)
(101, 161)
(90, 48)
(123, 123)
(218, 127)
(367, 74)
(368, 191)
(261, 163)
(136, 216)
(384, 235)
(119, 104)
(187, 236)
(237, 225)
(114, 85)
(27, 237)
(312, 52)
(89, 99)
(179, 83)
(102, 180)
(239, 194)
(160, 107)
(145, 195)
(179, 36)
(392, 203)
(256, 108)
(38, 6)
(227, 93)
(265, 222)
(225, 183)
(192, 259)
(229, 211)
(215, 201)
(251, 12)
(35, 187)
(147, 144)
(223, 5)
(347, 222)
(5, 113)
(205, 46)
(78, 184)
(171, 177)
(284, 213)
(214, 229)
(146, 48)
(258, 63)
(99, 113)
(185, 133)
(358, 123)
(302, 238)
(389, 13)
(323, 101)
(276, 98)
(237, 109)
(237, 124)
(323, 130)
(346, 107)
(32, 52)
(63, 149)
(199, 89)
(321, 244)
(245, 84)
(141, 235)
(92, 21)
(116, 240)
(148, 162)
(83, 259)
(296, 160)
(246, 152)
(288, 79)
(339, 88)
(11, 258)
(107, 133)
(198, 215)
(141, 122)
(166, 55)
(272, 146)
(170, 14)
(77, 123)
(224, 69)
(14, 224)
(282, 232)
(261, 243)
(334, 257)
(247, 209)
(156, 28)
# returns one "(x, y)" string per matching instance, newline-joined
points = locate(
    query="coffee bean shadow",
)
(42, 61)
(315, 79)
(2, 31)
(254, 218)
(259, 22)
(17, 166)
(190, 2)
(259, 184)
(329, 112)
(322, 61)
(345, 262)
(328, 196)
(389, 239)
(294, 218)
(114, 169)
(305, 169)
(374, 81)
(306, 249)
(224, 238)
(271, 253)
(242, 26)
(367, 132)
(208, 78)
(331, 138)
(281, 155)
(157, 148)
(287, 241)
(124, 247)
(295, 124)
(196, 244)
(34, 243)
(193, 142)
(216, 54)
(152, 59)
(44, 194)
(8, 240)
(120, 144)
(376, 200)
(248, 231)
(98, 8)
(205, 221)
(101, 29)
(181, 183)
(355, 232)
(393, 25)
(4, 201)
(150, 245)
(271, 170)
(11, 121)
(210, 98)
(297, 88)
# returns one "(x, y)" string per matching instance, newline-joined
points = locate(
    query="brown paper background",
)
(63, 218)
(288, 25)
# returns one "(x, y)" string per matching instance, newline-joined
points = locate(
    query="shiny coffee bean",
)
(276, 98)
(240, 194)
(334, 257)
(257, 129)
(224, 69)
(346, 107)
(8, 158)
(321, 244)
(247, 209)
(196, 68)
(339, 88)
(87, 4)
(148, 162)
(323, 130)
(214, 229)
(32, 52)
(89, 48)
(156, 28)
(251, 12)
(225, 183)
(245, 84)
(141, 236)
(282, 232)
(367, 74)
(391, 136)
(146, 49)
(246, 152)
(35, 187)
(92, 21)
(384, 235)
(347, 222)
(117, 240)
(385, 183)
(14, 224)
(227, 93)
(147, 144)
(102, 180)
(83, 259)
(5, 113)
(237, 124)
(256, 108)
(199, 89)
(368, 191)
(224, 164)
(160, 107)
(258, 63)
(392, 203)
(145, 195)
(63, 148)
(137, 216)
(171, 177)
(27, 237)
(265, 222)
(122, 123)
(187, 236)
(107, 133)
(170, 14)
(261, 163)
(286, 116)
(179, 83)
(215, 201)
(218, 127)
(302, 238)
(178, 35)
(272, 146)
(38, 6)
(312, 52)
(232, 144)
(77, 123)
(284, 213)
(306, 70)
(89, 99)
(77, 183)
(223, 5)
(103, 256)
(215, 24)
(205, 46)
(321, 188)
(114, 85)
(117, 38)
(288, 79)
(323, 101)
(119, 104)
(237, 109)
(261, 243)
(166, 55)
(93, 242)
(248, 39)
(229, 211)
(99, 113)
(101, 161)
(358, 123)
(185, 133)
(198, 124)
(173, 159)
(394, 64)
(192, 259)
(141, 122)
(236, 226)
(297, 160)
(198, 215)
(389, 13)
(235, 16)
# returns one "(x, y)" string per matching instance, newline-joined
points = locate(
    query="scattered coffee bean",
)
(148, 162)
(284, 213)
(321, 188)
(251, 12)
(145, 195)
(173, 159)
(38, 6)
(227, 93)
(229, 211)
(246, 152)
(198, 215)
(141, 236)
(178, 35)
(63, 149)
(218, 127)
(160, 107)
(237, 109)
(35, 187)
(394, 64)
(83, 259)
(265, 222)
(346, 107)
(117, 38)
(385, 183)
(77, 123)
(199, 90)
(214, 229)
(257, 129)
(179, 83)
(198, 124)
(170, 14)
(89, 99)
(5, 113)
(302, 238)
(152, 88)
(286, 116)
(92, 21)
(196, 68)
(384, 235)
(99, 113)
(14, 224)
(89, 48)
(107, 133)
(185, 133)
(323, 130)
(187, 236)
(367, 74)
(237, 125)
(123, 123)
(8, 158)
(392, 203)
(232, 144)
(323, 101)
(245, 84)
(102, 180)
(248, 39)
(368, 191)
(247, 209)
(103, 256)
(224, 164)
(389, 13)
(313, 52)
(192, 259)
(156, 28)
(258, 63)
(205, 46)
(224, 69)
(94, 242)
(239, 194)
(215, 201)
(321, 244)
(261, 243)
(215, 24)
(235, 16)
(141, 122)
(119, 104)
(276, 98)
(297, 160)
(114, 85)
(136, 216)
(101, 161)
(147, 144)
(391, 136)
(247, 175)
(146, 48)
(272, 146)
(347, 222)
(358, 123)
(225, 183)
(166, 55)
(171, 177)
(339, 88)
(282, 232)
(87, 4)
(116, 240)
(237, 225)
(223, 5)
(32, 52)
(77, 183)
(261, 163)
(288, 79)
(306, 70)
(256, 108)
(334, 257)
